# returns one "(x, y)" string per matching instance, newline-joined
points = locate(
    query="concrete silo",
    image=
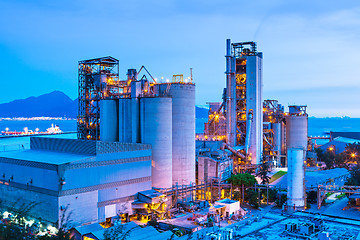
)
(296, 131)
(276, 127)
(183, 131)
(125, 120)
(156, 129)
(296, 143)
(296, 178)
(109, 120)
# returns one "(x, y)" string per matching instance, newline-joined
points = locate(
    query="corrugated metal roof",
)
(315, 178)
(50, 157)
(86, 229)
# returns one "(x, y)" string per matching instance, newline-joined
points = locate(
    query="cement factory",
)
(138, 157)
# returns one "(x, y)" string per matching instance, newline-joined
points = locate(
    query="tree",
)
(252, 197)
(281, 200)
(272, 194)
(312, 197)
(15, 228)
(240, 179)
(264, 170)
(354, 179)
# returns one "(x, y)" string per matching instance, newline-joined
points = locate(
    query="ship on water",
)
(54, 129)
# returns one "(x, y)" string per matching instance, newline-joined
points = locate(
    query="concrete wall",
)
(29, 175)
(46, 206)
(82, 207)
(254, 102)
(109, 124)
(183, 131)
(156, 129)
(207, 168)
(91, 188)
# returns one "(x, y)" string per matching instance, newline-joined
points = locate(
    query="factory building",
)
(92, 180)
(141, 111)
(216, 165)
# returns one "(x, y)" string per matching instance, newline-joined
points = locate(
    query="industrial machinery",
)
(239, 119)
(215, 128)
(243, 105)
(253, 130)
(274, 132)
(137, 110)
(98, 79)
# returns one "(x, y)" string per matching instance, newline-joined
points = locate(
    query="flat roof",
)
(86, 229)
(316, 177)
(151, 193)
(50, 157)
(226, 201)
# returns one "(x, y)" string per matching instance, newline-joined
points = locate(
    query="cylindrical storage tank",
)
(296, 131)
(125, 120)
(156, 129)
(283, 138)
(183, 133)
(296, 178)
(276, 127)
(109, 120)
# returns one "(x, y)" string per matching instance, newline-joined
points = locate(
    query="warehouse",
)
(91, 180)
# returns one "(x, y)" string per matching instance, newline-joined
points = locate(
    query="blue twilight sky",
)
(311, 48)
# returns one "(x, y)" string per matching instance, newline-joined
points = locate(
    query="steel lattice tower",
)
(98, 79)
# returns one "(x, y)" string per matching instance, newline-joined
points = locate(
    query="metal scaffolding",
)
(239, 52)
(98, 79)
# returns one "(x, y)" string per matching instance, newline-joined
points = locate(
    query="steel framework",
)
(273, 112)
(98, 79)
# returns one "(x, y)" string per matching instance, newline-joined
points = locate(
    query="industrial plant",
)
(138, 157)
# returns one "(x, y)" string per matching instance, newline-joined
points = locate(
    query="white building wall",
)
(43, 178)
(82, 207)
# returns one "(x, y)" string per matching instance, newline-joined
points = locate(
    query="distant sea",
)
(317, 127)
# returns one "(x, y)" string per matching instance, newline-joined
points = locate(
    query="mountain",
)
(54, 104)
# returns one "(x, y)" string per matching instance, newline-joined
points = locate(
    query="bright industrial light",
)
(353, 155)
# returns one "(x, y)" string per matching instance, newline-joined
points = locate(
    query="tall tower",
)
(244, 117)
(98, 79)
(296, 143)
